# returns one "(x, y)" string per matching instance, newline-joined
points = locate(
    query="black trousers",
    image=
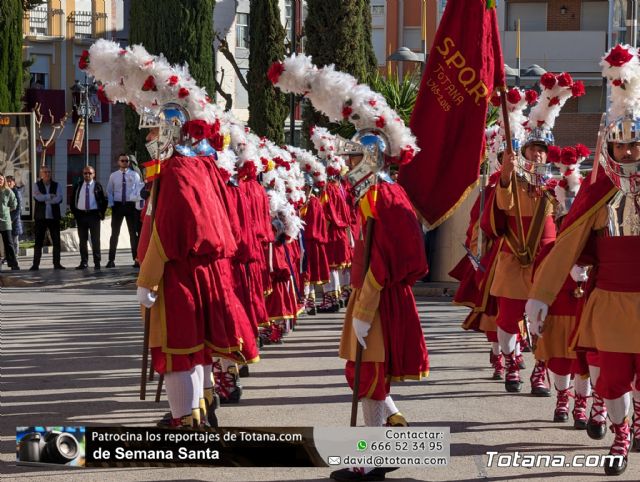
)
(9, 250)
(121, 211)
(89, 222)
(40, 228)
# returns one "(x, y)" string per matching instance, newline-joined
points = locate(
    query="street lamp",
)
(84, 108)
(405, 54)
(533, 71)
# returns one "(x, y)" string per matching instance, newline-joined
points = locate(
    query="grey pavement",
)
(70, 355)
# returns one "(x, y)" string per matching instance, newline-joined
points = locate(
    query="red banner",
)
(78, 135)
(465, 64)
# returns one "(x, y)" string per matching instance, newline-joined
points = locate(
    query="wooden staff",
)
(145, 355)
(147, 311)
(159, 389)
(514, 182)
(356, 378)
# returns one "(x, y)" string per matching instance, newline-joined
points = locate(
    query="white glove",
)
(146, 297)
(579, 273)
(536, 312)
(361, 329)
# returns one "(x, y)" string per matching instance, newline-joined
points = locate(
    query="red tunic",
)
(281, 303)
(242, 233)
(196, 242)
(354, 216)
(293, 251)
(475, 284)
(260, 235)
(315, 241)
(337, 216)
(398, 260)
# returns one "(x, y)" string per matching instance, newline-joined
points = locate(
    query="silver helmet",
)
(372, 145)
(624, 175)
(535, 173)
(169, 119)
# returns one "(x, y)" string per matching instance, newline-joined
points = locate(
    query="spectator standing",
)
(16, 220)
(122, 191)
(8, 203)
(88, 205)
(48, 196)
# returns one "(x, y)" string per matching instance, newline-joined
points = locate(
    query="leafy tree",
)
(11, 71)
(338, 32)
(183, 33)
(267, 106)
(371, 62)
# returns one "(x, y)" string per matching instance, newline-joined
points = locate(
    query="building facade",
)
(231, 22)
(55, 34)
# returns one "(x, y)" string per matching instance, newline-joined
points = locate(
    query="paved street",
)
(71, 356)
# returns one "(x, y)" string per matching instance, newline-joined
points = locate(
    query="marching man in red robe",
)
(316, 264)
(381, 316)
(603, 229)
(187, 241)
(520, 217)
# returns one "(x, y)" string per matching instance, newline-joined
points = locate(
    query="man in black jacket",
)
(88, 205)
(48, 196)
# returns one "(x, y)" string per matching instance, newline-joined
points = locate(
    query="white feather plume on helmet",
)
(145, 81)
(309, 163)
(325, 143)
(339, 96)
(557, 89)
(621, 67)
(226, 161)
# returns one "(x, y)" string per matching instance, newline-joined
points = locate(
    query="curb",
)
(433, 290)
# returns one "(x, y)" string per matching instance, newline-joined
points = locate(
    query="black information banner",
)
(225, 447)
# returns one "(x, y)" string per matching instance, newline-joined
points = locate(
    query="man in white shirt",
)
(123, 191)
(88, 205)
(47, 195)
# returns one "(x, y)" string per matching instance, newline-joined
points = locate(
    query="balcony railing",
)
(87, 25)
(52, 103)
(42, 21)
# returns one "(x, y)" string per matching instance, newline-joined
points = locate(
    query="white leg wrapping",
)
(618, 408)
(307, 289)
(507, 341)
(330, 286)
(495, 348)
(200, 374)
(198, 391)
(345, 277)
(336, 281)
(561, 382)
(390, 407)
(373, 412)
(180, 392)
(583, 386)
(517, 348)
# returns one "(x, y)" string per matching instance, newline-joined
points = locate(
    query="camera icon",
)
(53, 448)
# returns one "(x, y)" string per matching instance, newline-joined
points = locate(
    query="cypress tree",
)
(183, 33)
(338, 32)
(267, 106)
(369, 55)
(11, 56)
